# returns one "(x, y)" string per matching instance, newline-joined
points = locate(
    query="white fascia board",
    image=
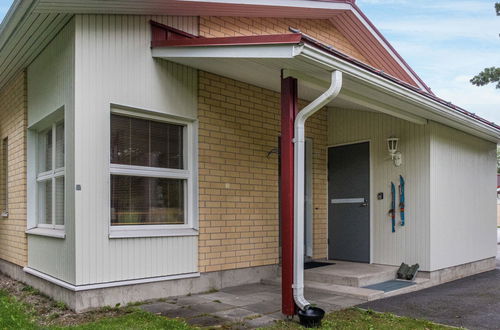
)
(282, 3)
(236, 51)
(441, 112)
(382, 107)
(355, 98)
(388, 49)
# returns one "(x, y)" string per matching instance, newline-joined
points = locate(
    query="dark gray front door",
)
(348, 200)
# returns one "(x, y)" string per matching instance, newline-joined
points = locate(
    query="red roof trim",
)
(165, 32)
(289, 38)
(296, 38)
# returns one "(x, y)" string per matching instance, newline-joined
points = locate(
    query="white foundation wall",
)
(411, 243)
(50, 88)
(114, 66)
(463, 197)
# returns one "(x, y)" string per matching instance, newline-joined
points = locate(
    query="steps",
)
(351, 274)
(348, 279)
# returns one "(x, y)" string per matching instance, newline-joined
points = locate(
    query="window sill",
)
(56, 233)
(5, 214)
(151, 232)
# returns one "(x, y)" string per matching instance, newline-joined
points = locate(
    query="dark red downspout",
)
(288, 113)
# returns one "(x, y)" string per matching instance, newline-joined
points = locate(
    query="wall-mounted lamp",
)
(392, 146)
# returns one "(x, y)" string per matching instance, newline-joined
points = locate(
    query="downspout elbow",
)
(299, 174)
(331, 93)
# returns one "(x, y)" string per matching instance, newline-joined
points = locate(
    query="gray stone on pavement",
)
(237, 314)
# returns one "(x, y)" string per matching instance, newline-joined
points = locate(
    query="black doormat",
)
(390, 285)
(316, 264)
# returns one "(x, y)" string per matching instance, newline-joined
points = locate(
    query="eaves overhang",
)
(43, 19)
(260, 62)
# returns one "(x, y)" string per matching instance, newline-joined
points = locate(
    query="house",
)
(498, 204)
(139, 149)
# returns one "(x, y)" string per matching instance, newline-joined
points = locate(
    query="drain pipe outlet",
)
(299, 175)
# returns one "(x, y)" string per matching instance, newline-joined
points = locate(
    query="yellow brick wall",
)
(321, 29)
(238, 184)
(13, 121)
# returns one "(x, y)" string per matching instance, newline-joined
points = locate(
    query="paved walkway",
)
(473, 302)
(246, 306)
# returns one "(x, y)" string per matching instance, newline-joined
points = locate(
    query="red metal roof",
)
(289, 38)
(297, 37)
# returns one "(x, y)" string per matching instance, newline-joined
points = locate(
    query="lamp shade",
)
(392, 145)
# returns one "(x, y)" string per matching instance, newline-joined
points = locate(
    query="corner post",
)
(289, 109)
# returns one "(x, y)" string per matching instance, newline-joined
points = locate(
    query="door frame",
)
(309, 206)
(371, 192)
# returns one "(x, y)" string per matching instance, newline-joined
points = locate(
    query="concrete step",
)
(351, 274)
(356, 292)
(354, 280)
(341, 290)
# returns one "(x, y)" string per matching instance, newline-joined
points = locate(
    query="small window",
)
(149, 172)
(4, 183)
(50, 177)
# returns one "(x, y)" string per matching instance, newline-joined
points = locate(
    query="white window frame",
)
(189, 174)
(51, 176)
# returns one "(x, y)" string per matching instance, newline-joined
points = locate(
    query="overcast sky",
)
(446, 42)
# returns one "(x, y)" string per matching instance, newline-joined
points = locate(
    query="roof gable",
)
(321, 29)
(343, 32)
(344, 14)
(359, 30)
(370, 46)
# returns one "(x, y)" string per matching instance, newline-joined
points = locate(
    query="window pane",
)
(143, 201)
(167, 201)
(120, 140)
(59, 196)
(139, 141)
(166, 145)
(60, 145)
(45, 151)
(146, 143)
(45, 202)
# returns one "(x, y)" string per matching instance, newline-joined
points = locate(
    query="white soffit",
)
(26, 41)
(262, 8)
(362, 90)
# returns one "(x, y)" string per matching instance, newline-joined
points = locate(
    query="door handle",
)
(363, 202)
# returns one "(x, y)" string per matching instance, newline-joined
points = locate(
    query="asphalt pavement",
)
(472, 302)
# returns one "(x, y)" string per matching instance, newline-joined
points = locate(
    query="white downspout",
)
(299, 175)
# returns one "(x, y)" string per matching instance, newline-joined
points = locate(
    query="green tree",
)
(498, 159)
(488, 75)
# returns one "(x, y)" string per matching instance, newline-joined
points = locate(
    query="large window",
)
(50, 177)
(150, 172)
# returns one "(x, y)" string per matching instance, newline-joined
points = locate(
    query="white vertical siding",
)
(114, 66)
(410, 243)
(50, 87)
(463, 208)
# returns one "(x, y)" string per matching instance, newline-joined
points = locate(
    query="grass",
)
(358, 319)
(135, 320)
(13, 314)
(16, 314)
